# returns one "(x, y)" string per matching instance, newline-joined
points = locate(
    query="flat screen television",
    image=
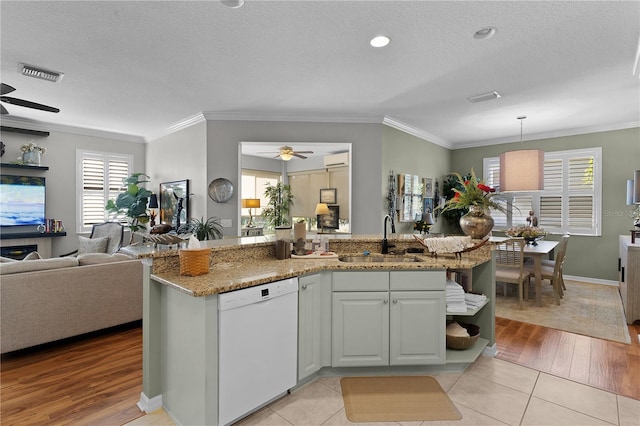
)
(22, 200)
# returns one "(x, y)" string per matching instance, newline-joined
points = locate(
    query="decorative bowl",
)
(461, 343)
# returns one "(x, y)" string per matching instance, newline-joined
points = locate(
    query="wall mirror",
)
(312, 169)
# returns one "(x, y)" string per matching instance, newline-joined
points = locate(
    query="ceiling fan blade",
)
(5, 88)
(297, 154)
(28, 104)
(3, 110)
(304, 152)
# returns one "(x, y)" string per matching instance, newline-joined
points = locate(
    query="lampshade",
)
(427, 218)
(522, 170)
(322, 208)
(636, 187)
(153, 201)
(629, 192)
(250, 203)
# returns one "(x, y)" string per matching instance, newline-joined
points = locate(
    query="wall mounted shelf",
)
(23, 166)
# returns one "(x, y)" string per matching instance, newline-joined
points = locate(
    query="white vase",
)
(31, 158)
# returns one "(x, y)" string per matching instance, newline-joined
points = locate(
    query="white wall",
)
(61, 176)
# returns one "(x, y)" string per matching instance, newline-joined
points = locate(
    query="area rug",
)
(396, 398)
(589, 309)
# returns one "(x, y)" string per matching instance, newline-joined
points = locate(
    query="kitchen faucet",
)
(385, 243)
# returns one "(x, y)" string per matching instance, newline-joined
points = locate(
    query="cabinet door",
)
(360, 329)
(417, 328)
(314, 323)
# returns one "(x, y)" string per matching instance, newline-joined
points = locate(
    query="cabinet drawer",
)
(361, 281)
(418, 280)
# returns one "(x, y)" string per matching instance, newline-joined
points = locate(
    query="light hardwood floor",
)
(98, 379)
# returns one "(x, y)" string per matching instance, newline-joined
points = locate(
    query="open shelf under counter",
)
(470, 312)
(465, 356)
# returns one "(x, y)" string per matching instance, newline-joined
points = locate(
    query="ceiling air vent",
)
(484, 97)
(41, 73)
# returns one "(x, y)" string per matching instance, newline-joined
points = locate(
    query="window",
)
(253, 184)
(570, 201)
(99, 178)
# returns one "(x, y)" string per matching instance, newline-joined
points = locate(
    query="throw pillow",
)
(6, 260)
(92, 245)
(34, 255)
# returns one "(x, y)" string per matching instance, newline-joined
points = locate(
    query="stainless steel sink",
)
(379, 259)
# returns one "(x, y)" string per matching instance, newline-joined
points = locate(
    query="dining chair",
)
(552, 270)
(510, 267)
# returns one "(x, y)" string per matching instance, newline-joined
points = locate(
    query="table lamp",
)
(321, 210)
(250, 203)
(428, 220)
(153, 204)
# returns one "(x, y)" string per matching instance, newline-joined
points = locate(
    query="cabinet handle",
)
(395, 300)
(304, 286)
(385, 301)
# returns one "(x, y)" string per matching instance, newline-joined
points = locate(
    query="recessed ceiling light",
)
(485, 33)
(234, 4)
(380, 41)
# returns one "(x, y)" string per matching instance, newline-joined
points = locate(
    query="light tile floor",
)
(489, 392)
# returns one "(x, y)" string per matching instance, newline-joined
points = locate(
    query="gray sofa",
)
(50, 299)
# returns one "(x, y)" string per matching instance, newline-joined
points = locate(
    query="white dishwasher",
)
(258, 346)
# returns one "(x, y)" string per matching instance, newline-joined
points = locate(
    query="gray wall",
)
(595, 257)
(404, 153)
(61, 176)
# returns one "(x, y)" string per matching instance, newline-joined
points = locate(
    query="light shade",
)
(629, 192)
(427, 218)
(286, 156)
(522, 170)
(250, 203)
(636, 187)
(153, 201)
(322, 208)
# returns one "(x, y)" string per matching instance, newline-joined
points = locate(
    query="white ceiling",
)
(143, 68)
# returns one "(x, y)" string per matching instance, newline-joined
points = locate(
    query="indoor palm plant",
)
(210, 229)
(276, 213)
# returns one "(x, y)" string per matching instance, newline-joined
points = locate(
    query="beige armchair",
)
(113, 231)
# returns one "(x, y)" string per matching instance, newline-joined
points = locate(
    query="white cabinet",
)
(629, 284)
(314, 323)
(373, 326)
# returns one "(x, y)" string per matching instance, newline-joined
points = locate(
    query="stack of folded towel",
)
(474, 300)
(455, 297)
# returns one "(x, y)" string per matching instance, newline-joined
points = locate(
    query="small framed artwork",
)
(174, 206)
(328, 195)
(428, 188)
(331, 220)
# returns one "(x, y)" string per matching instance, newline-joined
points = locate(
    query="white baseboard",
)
(149, 405)
(591, 280)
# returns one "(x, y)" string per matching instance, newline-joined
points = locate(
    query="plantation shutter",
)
(101, 177)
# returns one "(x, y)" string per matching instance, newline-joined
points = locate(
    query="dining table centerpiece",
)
(531, 234)
(477, 198)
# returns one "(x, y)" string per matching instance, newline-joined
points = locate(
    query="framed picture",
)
(174, 206)
(328, 195)
(331, 220)
(428, 188)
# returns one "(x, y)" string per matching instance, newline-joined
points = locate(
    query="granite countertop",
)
(228, 276)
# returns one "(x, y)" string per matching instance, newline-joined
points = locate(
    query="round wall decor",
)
(220, 190)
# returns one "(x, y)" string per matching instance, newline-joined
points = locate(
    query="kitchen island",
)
(180, 324)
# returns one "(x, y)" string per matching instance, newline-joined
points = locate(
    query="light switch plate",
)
(226, 223)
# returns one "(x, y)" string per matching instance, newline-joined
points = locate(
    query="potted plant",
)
(210, 229)
(276, 213)
(132, 202)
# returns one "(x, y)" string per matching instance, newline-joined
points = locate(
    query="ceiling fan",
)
(287, 153)
(20, 102)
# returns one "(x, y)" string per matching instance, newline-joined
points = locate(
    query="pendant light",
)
(522, 170)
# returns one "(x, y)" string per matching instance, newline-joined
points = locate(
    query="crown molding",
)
(548, 135)
(259, 116)
(54, 127)
(180, 125)
(403, 127)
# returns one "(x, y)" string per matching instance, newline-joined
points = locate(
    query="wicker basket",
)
(461, 343)
(194, 262)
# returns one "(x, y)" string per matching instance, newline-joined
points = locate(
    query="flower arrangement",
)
(32, 147)
(526, 232)
(473, 192)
